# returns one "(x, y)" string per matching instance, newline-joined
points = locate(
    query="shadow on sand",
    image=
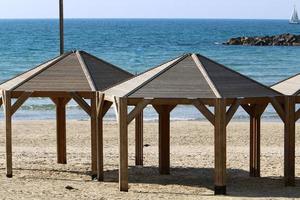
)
(239, 184)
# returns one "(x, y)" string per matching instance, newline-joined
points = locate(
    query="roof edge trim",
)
(86, 71)
(283, 80)
(205, 75)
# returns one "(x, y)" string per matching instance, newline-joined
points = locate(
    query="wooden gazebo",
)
(74, 75)
(291, 88)
(190, 79)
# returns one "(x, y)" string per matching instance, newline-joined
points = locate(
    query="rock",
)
(274, 40)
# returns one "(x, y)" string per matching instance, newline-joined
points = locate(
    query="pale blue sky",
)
(249, 9)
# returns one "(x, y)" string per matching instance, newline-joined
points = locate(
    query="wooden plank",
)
(138, 108)
(205, 101)
(204, 110)
(123, 145)
(52, 94)
(94, 130)
(81, 102)
(289, 141)
(61, 129)
(233, 108)
(8, 129)
(279, 108)
(220, 147)
(139, 144)
(20, 102)
(100, 163)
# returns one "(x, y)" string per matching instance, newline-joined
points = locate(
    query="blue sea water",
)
(137, 44)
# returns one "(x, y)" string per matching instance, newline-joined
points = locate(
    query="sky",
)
(228, 9)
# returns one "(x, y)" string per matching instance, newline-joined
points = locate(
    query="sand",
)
(38, 176)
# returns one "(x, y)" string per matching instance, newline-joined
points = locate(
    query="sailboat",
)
(294, 19)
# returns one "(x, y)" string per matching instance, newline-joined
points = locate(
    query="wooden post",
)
(94, 129)
(61, 129)
(61, 26)
(123, 144)
(103, 108)
(255, 120)
(100, 115)
(139, 139)
(289, 141)
(164, 137)
(8, 129)
(220, 147)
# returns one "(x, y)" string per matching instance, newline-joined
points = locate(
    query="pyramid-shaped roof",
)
(73, 71)
(289, 86)
(191, 76)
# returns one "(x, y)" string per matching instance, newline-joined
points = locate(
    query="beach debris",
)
(286, 39)
(68, 187)
(146, 145)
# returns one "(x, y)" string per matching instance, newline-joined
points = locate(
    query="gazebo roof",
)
(73, 71)
(191, 76)
(289, 86)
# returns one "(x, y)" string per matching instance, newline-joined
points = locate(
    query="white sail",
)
(295, 19)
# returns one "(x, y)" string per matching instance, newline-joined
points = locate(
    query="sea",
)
(138, 44)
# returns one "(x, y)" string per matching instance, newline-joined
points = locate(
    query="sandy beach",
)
(38, 176)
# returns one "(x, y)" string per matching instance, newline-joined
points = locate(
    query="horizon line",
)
(136, 18)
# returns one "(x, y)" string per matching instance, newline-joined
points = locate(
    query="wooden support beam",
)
(220, 147)
(100, 115)
(8, 129)
(106, 107)
(279, 108)
(102, 108)
(204, 110)
(297, 115)
(116, 106)
(255, 120)
(123, 144)
(233, 108)
(81, 102)
(164, 137)
(61, 103)
(138, 108)
(254, 143)
(247, 108)
(289, 141)
(20, 102)
(139, 145)
(94, 130)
